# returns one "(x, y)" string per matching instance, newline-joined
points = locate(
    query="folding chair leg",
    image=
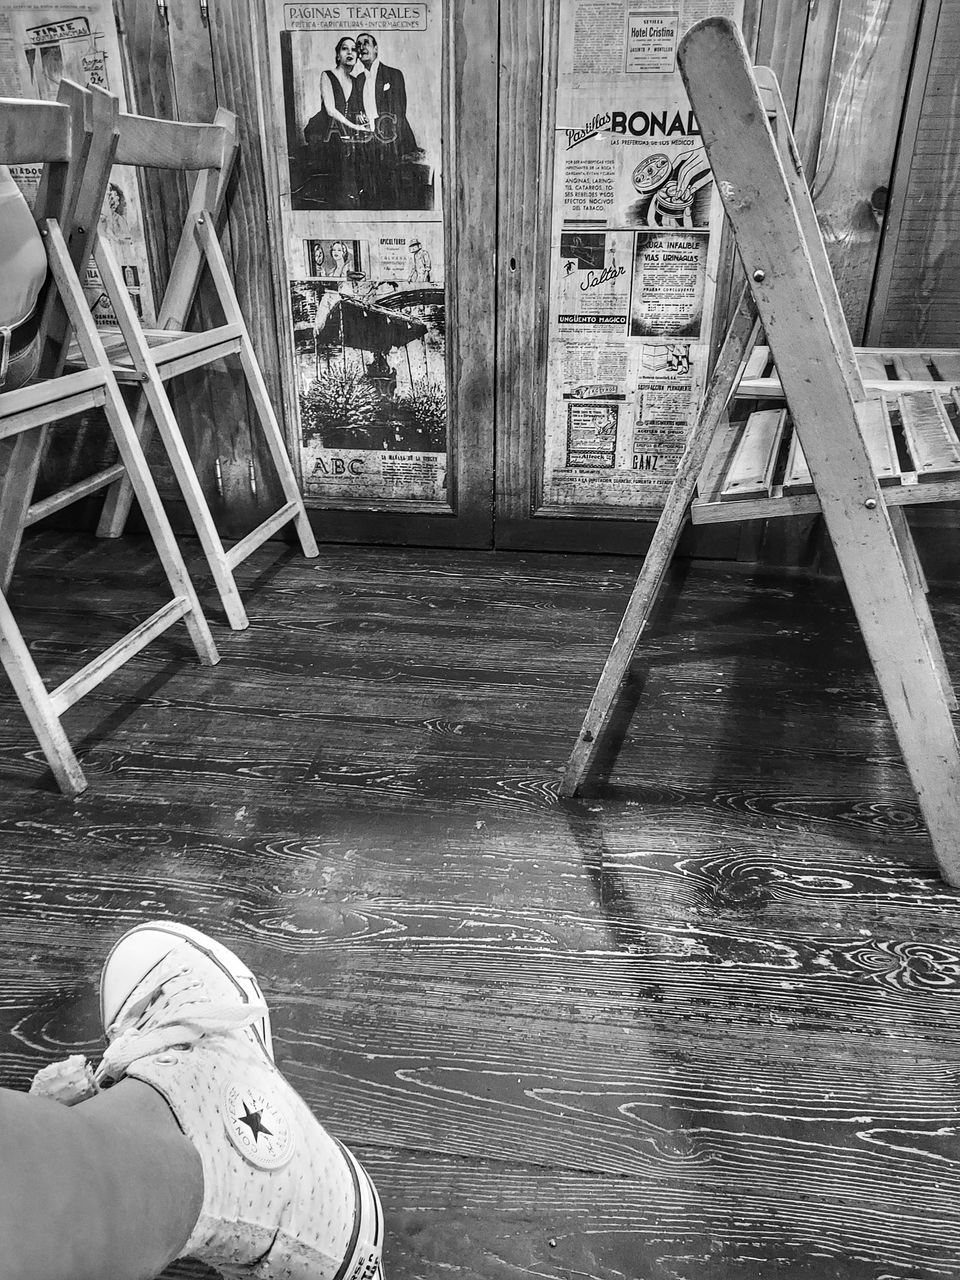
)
(258, 388)
(156, 520)
(196, 504)
(16, 495)
(117, 507)
(739, 342)
(155, 395)
(119, 499)
(35, 700)
(274, 438)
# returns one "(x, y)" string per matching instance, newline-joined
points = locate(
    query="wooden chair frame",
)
(794, 296)
(59, 135)
(149, 357)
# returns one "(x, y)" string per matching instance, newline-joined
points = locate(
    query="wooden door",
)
(594, 400)
(380, 143)
(610, 270)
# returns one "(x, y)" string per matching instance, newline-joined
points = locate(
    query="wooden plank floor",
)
(704, 1026)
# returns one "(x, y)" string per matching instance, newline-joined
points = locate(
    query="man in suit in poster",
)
(385, 106)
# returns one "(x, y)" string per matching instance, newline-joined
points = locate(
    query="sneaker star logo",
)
(253, 1120)
(257, 1126)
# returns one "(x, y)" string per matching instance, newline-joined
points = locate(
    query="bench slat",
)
(929, 435)
(912, 367)
(751, 471)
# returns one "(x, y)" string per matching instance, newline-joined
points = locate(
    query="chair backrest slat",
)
(141, 142)
(170, 144)
(34, 132)
(209, 150)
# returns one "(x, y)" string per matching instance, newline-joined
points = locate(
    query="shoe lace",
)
(174, 1013)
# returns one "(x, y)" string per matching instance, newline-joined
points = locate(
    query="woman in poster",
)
(340, 256)
(336, 134)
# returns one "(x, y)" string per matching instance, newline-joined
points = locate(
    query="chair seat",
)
(173, 350)
(756, 468)
(49, 400)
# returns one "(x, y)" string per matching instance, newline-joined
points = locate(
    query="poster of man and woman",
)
(360, 89)
(362, 109)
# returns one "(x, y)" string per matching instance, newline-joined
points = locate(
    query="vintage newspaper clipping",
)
(634, 255)
(360, 182)
(41, 44)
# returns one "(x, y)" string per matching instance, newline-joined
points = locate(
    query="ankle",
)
(132, 1124)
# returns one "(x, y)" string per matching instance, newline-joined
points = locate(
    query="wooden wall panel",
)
(469, 98)
(811, 97)
(781, 32)
(470, 221)
(235, 39)
(215, 398)
(149, 76)
(861, 123)
(917, 300)
(527, 105)
(170, 72)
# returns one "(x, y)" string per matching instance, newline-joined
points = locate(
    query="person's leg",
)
(110, 1187)
(195, 1132)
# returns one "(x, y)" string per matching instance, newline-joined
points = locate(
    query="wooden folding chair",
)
(57, 134)
(843, 458)
(149, 357)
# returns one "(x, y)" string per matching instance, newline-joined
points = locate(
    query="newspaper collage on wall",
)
(635, 248)
(360, 192)
(39, 46)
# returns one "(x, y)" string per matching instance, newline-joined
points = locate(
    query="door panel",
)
(609, 259)
(385, 207)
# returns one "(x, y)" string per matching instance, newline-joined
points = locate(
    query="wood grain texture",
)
(919, 285)
(863, 108)
(819, 40)
(471, 197)
(525, 179)
(780, 41)
(251, 248)
(171, 74)
(702, 1026)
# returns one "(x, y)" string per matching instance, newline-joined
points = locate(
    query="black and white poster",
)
(361, 106)
(358, 101)
(635, 254)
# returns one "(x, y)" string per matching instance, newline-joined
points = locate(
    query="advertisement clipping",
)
(635, 246)
(360, 104)
(39, 46)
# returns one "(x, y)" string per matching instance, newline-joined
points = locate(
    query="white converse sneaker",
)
(142, 948)
(281, 1197)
